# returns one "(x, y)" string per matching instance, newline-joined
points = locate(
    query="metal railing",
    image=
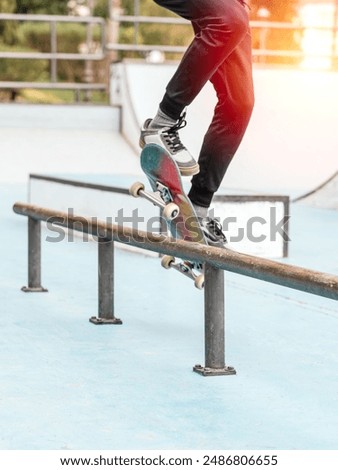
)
(262, 26)
(107, 48)
(216, 261)
(54, 55)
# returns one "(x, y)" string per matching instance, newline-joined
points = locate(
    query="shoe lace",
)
(171, 135)
(215, 227)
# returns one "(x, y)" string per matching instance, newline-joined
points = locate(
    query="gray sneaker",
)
(213, 232)
(168, 138)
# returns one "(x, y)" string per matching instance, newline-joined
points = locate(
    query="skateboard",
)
(168, 194)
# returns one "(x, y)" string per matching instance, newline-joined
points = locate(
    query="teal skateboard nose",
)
(166, 182)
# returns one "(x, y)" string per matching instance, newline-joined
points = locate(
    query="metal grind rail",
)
(216, 261)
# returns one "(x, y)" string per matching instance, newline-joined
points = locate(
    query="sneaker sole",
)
(189, 171)
(185, 171)
(141, 143)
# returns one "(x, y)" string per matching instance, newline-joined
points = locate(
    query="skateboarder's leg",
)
(221, 26)
(233, 84)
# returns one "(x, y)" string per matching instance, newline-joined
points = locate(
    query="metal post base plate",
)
(208, 371)
(34, 289)
(105, 321)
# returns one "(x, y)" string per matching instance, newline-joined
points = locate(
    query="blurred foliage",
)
(8, 28)
(101, 8)
(39, 96)
(22, 69)
(172, 35)
(18, 36)
(69, 36)
(7, 6)
(182, 35)
(53, 7)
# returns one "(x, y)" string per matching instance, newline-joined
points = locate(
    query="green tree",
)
(70, 37)
(58, 7)
(7, 6)
(101, 8)
(7, 28)
(19, 69)
(152, 33)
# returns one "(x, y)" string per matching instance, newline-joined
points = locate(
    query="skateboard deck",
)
(165, 179)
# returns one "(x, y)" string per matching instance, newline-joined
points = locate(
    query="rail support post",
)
(106, 284)
(34, 257)
(214, 324)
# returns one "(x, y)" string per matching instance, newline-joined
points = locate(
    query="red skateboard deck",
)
(164, 177)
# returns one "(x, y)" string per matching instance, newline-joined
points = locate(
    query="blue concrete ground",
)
(67, 384)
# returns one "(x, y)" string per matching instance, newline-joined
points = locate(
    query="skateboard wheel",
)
(171, 211)
(199, 281)
(135, 189)
(167, 261)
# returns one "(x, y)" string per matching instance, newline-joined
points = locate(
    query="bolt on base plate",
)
(208, 371)
(34, 289)
(105, 321)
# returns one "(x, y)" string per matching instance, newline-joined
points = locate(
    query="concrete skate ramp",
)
(291, 145)
(324, 196)
(81, 140)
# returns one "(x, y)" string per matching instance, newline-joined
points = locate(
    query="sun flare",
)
(318, 44)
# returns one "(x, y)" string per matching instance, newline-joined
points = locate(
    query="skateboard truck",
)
(164, 193)
(160, 198)
(167, 192)
(185, 267)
